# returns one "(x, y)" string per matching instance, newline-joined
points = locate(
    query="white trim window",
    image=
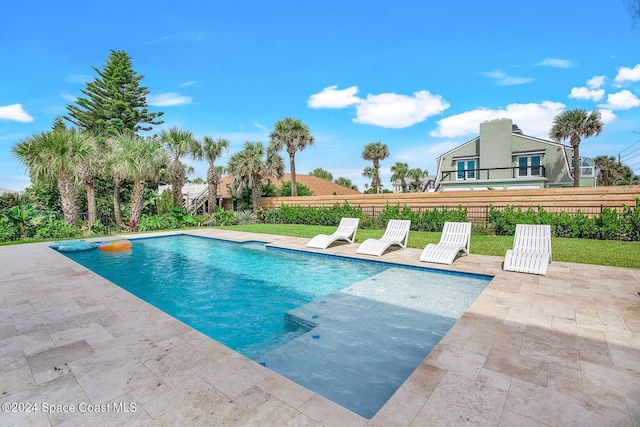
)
(466, 169)
(530, 166)
(587, 167)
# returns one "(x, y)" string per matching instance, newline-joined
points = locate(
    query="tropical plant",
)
(294, 136)
(178, 143)
(301, 190)
(416, 175)
(55, 156)
(609, 170)
(345, 182)
(375, 151)
(219, 217)
(211, 150)
(114, 100)
(322, 174)
(165, 202)
(399, 172)
(246, 217)
(576, 125)
(250, 166)
(20, 215)
(136, 159)
(370, 172)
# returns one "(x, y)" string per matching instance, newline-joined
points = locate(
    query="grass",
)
(601, 252)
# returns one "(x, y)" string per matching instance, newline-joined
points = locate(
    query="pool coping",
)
(559, 349)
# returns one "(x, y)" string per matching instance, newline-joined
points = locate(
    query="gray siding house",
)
(503, 158)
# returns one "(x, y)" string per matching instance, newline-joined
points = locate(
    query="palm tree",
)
(249, 167)
(178, 143)
(295, 136)
(86, 171)
(400, 172)
(136, 159)
(369, 172)
(416, 174)
(55, 156)
(576, 125)
(375, 151)
(211, 150)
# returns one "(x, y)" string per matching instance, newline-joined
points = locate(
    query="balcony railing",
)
(494, 173)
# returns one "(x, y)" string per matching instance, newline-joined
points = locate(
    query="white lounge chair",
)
(346, 231)
(531, 251)
(455, 238)
(397, 233)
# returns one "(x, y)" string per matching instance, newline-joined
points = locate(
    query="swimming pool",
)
(349, 330)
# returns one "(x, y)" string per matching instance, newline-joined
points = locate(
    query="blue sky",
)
(418, 76)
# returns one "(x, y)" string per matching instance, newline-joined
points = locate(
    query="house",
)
(427, 184)
(195, 195)
(4, 191)
(503, 157)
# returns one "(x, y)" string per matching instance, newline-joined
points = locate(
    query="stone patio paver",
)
(555, 350)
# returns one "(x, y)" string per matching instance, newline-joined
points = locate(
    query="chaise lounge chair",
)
(346, 231)
(455, 238)
(397, 233)
(531, 251)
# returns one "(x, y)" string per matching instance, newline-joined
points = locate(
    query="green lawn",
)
(601, 252)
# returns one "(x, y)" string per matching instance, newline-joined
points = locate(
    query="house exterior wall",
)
(496, 153)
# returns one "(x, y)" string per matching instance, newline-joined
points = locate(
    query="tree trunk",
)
(256, 197)
(576, 163)
(137, 193)
(177, 182)
(116, 202)
(294, 185)
(212, 184)
(86, 175)
(67, 197)
(91, 202)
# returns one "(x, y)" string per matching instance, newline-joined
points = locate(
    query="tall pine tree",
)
(114, 101)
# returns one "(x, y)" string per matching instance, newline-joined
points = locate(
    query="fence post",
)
(486, 216)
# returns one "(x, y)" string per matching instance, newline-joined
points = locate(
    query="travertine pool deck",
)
(556, 350)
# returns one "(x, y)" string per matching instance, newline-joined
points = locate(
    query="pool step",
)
(372, 339)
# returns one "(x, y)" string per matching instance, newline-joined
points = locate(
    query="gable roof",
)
(319, 186)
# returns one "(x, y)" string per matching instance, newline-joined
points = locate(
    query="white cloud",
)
(607, 116)
(626, 74)
(595, 82)
(67, 96)
(168, 99)
(423, 156)
(622, 100)
(332, 97)
(189, 83)
(586, 93)
(390, 110)
(79, 78)
(533, 119)
(504, 80)
(16, 113)
(259, 126)
(557, 63)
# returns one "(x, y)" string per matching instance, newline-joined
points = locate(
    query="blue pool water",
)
(352, 331)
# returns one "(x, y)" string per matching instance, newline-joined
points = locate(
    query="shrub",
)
(55, 229)
(246, 217)
(427, 220)
(220, 217)
(609, 224)
(313, 215)
(8, 231)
